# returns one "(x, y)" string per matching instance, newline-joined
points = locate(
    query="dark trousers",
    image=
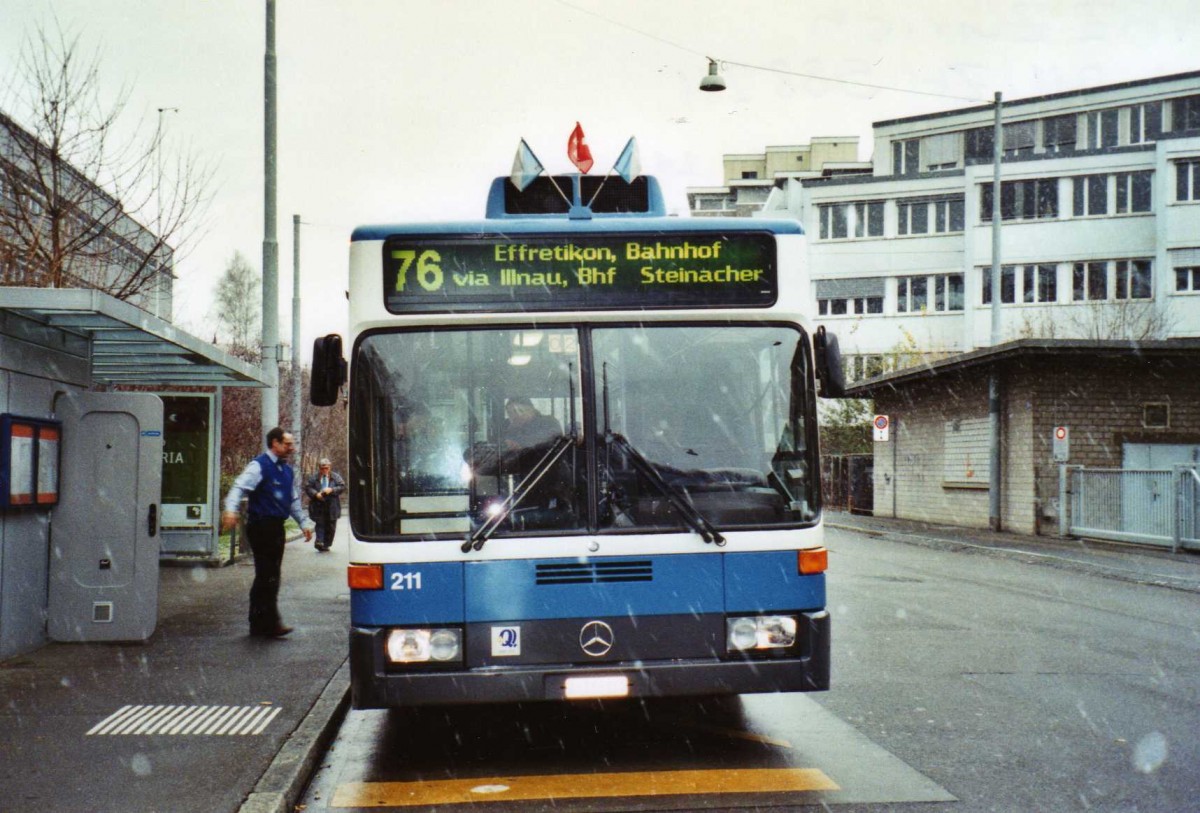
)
(326, 524)
(266, 541)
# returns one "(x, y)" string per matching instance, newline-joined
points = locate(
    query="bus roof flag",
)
(629, 163)
(526, 167)
(578, 150)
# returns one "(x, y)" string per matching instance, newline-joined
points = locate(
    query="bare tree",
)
(238, 302)
(81, 206)
(1135, 320)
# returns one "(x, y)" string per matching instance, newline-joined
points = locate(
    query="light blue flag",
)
(629, 165)
(526, 167)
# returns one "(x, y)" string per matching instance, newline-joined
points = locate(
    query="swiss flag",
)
(578, 150)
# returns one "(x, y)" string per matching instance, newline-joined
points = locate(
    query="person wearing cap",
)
(270, 485)
(324, 490)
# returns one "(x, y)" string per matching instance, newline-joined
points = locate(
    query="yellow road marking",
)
(579, 786)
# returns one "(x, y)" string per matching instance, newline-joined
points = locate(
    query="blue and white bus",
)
(583, 453)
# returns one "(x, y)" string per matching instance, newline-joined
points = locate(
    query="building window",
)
(949, 215)
(913, 293)
(978, 144)
(906, 156)
(1008, 285)
(1145, 122)
(1039, 283)
(1134, 192)
(862, 305)
(1091, 195)
(863, 218)
(1102, 129)
(913, 217)
(834, 223)
(1134, 279)
(1022, 200)
(1187, 180)
(868, 219)
(1058, 133)
(749, 175)
(1185, 113)
(1156, 416)
(948, 292)
(1019, 138)
(1187, 279)
(1089, 281)
(864, 367)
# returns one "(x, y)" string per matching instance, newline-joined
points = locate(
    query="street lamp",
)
(713, 81)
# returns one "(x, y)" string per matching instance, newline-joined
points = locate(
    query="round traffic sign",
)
(881, 421)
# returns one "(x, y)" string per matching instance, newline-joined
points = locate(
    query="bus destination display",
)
(570, 272)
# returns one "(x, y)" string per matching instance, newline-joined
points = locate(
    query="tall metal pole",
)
(994, 478)
(270, 304)
(297, 415)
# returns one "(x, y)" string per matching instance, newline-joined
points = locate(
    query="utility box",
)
(104, 543)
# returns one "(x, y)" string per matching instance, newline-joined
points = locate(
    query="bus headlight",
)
(424, 645)
(760, 632)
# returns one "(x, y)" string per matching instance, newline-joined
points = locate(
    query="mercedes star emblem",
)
(596, 638)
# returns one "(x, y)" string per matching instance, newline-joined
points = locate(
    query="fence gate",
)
(1147, 506)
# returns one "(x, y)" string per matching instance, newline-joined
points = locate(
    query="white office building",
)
(1100, 213)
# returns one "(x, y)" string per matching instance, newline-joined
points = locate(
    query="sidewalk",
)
(248, 713)
(1139, 564)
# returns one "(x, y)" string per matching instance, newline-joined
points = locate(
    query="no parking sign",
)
(880, 427)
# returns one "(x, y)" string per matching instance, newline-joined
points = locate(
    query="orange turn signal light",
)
(812, 561)
(365, 577)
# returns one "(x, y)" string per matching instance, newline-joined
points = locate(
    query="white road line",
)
(263, 724)
(200, 719)
(177, 720)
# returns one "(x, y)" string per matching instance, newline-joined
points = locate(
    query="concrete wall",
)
(1101, 400)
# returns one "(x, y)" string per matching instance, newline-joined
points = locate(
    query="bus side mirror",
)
(328, 370)
(829, 365)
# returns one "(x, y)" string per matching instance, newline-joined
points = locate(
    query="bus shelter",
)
(110, 456)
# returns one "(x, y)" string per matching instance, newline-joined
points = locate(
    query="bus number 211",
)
(406, 581)
(429, 273)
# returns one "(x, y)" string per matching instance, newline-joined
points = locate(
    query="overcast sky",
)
(403, 110)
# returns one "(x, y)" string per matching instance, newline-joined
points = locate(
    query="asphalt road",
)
(961, 682)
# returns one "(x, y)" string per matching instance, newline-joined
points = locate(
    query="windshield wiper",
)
(484, 532)
(678, 499)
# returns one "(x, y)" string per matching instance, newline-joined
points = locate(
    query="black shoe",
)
(276, 632)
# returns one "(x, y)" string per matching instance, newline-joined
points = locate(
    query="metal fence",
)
(847, 482)
(1152, 507)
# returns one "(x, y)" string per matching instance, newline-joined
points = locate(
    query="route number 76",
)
(429, 273)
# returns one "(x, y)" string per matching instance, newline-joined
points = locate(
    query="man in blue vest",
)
(270, 484)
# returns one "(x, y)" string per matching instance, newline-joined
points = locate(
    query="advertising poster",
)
(187, 453)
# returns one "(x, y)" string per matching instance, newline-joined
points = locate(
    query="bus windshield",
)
(458, 429)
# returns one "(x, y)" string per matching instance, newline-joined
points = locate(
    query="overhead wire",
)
(783, 71)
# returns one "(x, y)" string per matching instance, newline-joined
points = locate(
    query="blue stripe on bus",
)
(498, 228)
(770, 581)
(508, 590)
(424, 593)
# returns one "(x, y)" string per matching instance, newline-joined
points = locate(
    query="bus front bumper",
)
(373, 685)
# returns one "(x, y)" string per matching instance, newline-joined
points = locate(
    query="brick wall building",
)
(1126, 406)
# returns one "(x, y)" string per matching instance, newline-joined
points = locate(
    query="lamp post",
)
(297, 414)
(270, 289)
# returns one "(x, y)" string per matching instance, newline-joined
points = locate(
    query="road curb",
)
(285, 778)
(1034, 557)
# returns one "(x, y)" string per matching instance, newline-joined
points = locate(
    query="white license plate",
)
(593, 686)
